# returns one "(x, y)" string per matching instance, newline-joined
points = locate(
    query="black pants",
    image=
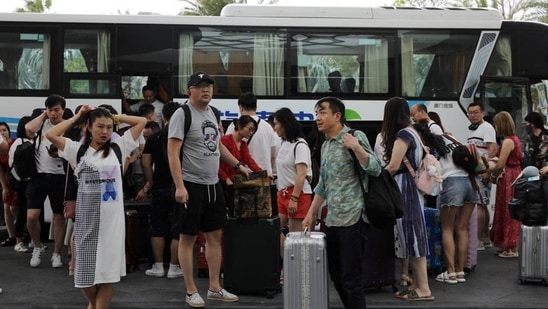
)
(345, 253)
(21, 221)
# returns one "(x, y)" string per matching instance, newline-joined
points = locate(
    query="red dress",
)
(242, 155)
(11, 199)
(506, 229)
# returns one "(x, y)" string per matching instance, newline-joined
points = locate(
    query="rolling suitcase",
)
(379, 263)
(434, 260)
(533, 254)
(473, 241)
(305, 271)
(132, 240)
(252, 256)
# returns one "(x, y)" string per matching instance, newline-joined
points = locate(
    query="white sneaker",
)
(174, 271)
(155, 271)
(56, 260)
(195, 300)
(21, 247)
(481, 246)
(36, 257)
(223, 295)
(31, 246)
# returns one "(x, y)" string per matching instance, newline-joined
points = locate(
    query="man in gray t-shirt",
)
(199, 198)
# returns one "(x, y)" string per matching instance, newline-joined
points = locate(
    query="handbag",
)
(69, 208)
(383, 200)
(252, 197)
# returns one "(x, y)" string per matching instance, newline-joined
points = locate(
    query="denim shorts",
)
(457, 191)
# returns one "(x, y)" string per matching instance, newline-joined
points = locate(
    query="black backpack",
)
(464, 159)
(24, 161)
(383, 200)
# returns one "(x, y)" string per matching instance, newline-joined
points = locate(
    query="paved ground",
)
(492, 285)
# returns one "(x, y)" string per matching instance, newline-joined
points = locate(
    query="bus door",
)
(511, 94)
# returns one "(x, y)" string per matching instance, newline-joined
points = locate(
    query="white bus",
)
(288, 56)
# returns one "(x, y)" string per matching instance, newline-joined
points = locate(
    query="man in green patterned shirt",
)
(346, 221)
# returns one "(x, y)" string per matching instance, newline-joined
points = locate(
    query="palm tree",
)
(35, 6)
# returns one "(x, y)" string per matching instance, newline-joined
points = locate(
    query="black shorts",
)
(205, 210)
(46, 185)
(161, 214)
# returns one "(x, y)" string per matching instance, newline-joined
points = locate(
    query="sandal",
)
(460, 277)
(506, 254)
(449, 278)
(413, 296)
(8, 242)
(402, 293)
(405, 280)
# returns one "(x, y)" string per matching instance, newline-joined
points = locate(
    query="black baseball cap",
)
(197, 78)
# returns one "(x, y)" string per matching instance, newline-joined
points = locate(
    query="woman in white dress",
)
(99, 223)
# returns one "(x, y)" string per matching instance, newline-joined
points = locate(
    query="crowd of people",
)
(179, 159)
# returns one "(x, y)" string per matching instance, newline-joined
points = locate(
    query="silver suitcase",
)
(533, 254)
(305, 271)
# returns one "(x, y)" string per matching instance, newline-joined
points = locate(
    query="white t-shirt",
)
(158, 106)
(44, 162)
(287, 159)
(378, 149)
(434, 127)
(262, 144)
(485, 133)
(448, 167)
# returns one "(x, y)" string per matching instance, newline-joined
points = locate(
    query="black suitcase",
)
(379, 263)
(252, 256)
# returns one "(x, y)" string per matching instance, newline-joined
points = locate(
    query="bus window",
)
(339, 63)
(92, 85)
(500, 62)
(435, 64)
(238, 60)
(25, 59)
(539, 98)
(86, 51)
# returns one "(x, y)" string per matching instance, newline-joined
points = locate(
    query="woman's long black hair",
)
(292, 128)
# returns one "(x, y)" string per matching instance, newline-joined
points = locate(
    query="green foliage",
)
(207, 7)
(510, 9)
(35, 6)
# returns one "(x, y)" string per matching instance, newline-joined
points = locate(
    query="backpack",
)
(383, 200)
(24, 160)
(188, 116)
(429, 179)
(468, 157)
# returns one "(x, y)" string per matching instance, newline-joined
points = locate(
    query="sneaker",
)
(481, 246)
(223, 295)
(155, 271)
(36, 258)
(21, 247)
(56, 260)
(195, 300)
(174, 271)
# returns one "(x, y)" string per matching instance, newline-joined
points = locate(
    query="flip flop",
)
(508, 255)
(413, 296)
